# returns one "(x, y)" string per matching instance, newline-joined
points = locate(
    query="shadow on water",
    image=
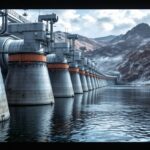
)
(29, 124)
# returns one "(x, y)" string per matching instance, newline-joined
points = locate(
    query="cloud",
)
(94, 23)
(89, 19)
(104, 19)
(107, 26)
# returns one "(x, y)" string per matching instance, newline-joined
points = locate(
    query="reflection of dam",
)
(4, 127)
(62, 118)
(77, 105)
(33, 122)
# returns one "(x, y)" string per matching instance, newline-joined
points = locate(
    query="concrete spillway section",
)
(60, 77)
(75, 78)
(4, 111)
(27, 81)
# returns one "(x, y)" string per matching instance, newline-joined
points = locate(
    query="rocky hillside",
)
(136, 66)
(121, 47)
(106, 39)
(123, 44)
(126, 55)
(90, 44)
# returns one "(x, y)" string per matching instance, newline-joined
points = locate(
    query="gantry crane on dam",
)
(36, 69)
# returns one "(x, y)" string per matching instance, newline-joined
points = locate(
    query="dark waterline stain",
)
(110, 114)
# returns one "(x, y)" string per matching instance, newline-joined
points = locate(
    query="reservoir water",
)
(110, 114)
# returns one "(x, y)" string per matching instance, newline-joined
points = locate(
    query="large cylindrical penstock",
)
(83, 80)
(4, 110)
(27, 81)
(60, 77)
(75, 78)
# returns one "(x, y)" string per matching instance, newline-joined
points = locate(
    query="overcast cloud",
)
(93, 22)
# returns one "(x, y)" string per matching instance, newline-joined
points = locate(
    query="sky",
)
(93, 23)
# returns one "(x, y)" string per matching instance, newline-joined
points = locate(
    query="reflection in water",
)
(30, 123)
(85, 98)
(93, 96)
(110, 114)
(61, 126)
(77, 106)
(4, 126)
(89, 100)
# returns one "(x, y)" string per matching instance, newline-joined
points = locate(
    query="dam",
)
(51, 92)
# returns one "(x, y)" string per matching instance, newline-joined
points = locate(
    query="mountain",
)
(120, 47)
(116, 39)
(105, 39)
(123, 44)
(135, 66)
(142, 30)
(124, 55)
(89, 43)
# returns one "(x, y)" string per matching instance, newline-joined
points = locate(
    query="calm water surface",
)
(110, 114)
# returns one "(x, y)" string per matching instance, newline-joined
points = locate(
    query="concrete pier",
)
(60, 77)
(83, 79)
(4, 111)
(27, 81)
(92, 80)
(88, 80)
(75, 78)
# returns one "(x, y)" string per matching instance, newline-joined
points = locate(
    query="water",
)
(111, 114)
